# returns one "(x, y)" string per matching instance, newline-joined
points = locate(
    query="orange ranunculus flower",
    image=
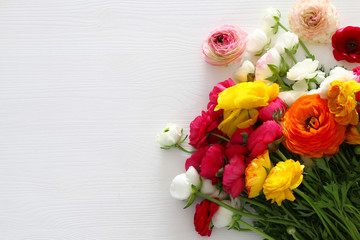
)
(342, 101)
(352, 135)
(310, 129)
(256, 173)
(283, 178)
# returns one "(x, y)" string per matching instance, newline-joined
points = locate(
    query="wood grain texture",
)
(85, 86)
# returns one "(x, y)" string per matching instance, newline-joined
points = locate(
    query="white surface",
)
(85, 85)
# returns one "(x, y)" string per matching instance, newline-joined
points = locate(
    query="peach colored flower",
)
(224, 45)
(314, 21)
(352, 135)
(310, 129)
(342, 101)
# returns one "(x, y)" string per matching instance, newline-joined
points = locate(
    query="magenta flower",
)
(346, 44)
(212, 162)
(232, 150)
(240, 135)
(267, 113)
(233, 179)
(265, 134)
(196, 158)
(224, 45)
(218, 88)
(199, 128)
(356, 72)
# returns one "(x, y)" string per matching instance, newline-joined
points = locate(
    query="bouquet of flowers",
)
(280, 144)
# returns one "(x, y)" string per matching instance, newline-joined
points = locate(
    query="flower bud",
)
(257, 41)
(262, 70)
(171, 135)
(223, 216)
(286, 40)
(242, 74)
(270, 20)
(180, 187)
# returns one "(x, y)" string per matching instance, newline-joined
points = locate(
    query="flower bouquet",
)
(278, 145)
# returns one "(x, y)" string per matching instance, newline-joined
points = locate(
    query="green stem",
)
(254, 203)
(309, 55)
(293, 57)
(344, 158)
(310, 188)
(255, 230)
(281, 155)
(237, 211)
(219, 136)
(279, 80)
(183, 149)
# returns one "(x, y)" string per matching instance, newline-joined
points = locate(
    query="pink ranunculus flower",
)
(276, 106)
(233, 178)
(212, 162)
(232, 150)
(356, 72)
(199, 128)
(262, 70)
(241, 135)
(224, 45)
(314, 21)
(218, 88)
(265, 134)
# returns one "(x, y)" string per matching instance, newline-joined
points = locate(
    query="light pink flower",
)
(265, 134)
(262, 70)
(224, 45)
(267, 113)
(233, 181)
(314, 21)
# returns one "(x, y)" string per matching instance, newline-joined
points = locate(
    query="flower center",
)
(351, 45)
(220, 38)
(312, 122)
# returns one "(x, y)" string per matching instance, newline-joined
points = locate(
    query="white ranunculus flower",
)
(223, 216)
(170, 135)
(301, 86)
(241, 74)
(209, 189)
(305, 69)
(270, 19)
(289, 97)
(286, 40)
(339, 74)
(257, 41)
(262, 70)
(180, 187)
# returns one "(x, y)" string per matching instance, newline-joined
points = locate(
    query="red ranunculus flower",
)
(218, 88)
(203, 215)
(235, 149)
(239, 136)
(265, 134)
(267, 113)
(233, 179)
(346, 44)
(199, 128)
(212, 162)
(196, 159)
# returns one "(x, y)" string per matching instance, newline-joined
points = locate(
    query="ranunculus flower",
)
(223, 217)
(211, 190)
(314, 21)
(218, 88)
(356, 72)
(241, 135)
(336, 74)
(306, 69)
(270, 20)
(310, 129)
(256, 173)
(286, 40)
(289, 97)
(180, 187)
(224, 45)
(242, 74)
(352, 135)
(265, 134)
(257, 42)
(262, 70)
(233, 177)
(282, 179)
(342, 102)
(199, 128)
(232, 150)
(203, 215)
(346, 44)
(212, 162)
(196, 158)
(276, 106)
(170, 135)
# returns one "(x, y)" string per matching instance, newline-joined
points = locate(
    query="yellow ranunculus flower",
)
(283, 178)
(234, 119)
(256, 173)
(247, 95)
(342, 102)
(352, 135)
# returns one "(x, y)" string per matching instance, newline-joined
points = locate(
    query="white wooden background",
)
(85, 85)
